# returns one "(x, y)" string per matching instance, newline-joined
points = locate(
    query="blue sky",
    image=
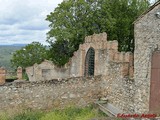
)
(23, 21)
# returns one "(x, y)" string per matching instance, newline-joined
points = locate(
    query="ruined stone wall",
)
(118, 89)
(50, 94)
(44, 91)
(79, 91)
(2, 75)
(115, 67)
(105, 51)
(4, 72)
(147, 40)
(46, 71)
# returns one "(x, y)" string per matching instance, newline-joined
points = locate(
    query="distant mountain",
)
(18, 45)
(6, 54)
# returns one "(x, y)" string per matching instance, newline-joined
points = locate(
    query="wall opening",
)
(154, 105)
(89, 62)
(46, 73)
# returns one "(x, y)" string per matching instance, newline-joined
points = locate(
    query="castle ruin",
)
(131, 82)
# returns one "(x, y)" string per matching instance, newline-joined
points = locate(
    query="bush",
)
(71, 113)
(28, 115)
(25, 76)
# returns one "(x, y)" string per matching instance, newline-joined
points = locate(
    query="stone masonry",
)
(47, 80)
(105, 52)
(19, 73)
(147, 41)
(115, 69)
(124, 82)
(2, 75)
(50, 94)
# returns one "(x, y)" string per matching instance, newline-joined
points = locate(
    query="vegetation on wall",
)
(72, 20)
(29, 55)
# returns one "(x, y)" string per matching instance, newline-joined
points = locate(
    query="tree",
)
(62, 48)
(72, 20)
(30, 54)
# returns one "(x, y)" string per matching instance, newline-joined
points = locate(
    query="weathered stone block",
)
(2, 79)
(109, 45)
(116, 56)
(114, 45)
(127, 57)
(89, 39)
(2, 75)
(131, 71)
(121, 56)
(95, 38)
(111, 55)
(125, 69)
(104, 36)
(131, 59)
(19, 73)
(105, 45)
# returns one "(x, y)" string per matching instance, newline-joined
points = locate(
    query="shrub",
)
(71, 113)
(28, 115)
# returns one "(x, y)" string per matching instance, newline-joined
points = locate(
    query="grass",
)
(69, 113)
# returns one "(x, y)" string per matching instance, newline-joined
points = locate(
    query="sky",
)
(23, 21)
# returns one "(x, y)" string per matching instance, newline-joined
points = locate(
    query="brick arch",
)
(89, 62)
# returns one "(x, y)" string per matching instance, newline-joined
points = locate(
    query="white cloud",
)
(23, 21)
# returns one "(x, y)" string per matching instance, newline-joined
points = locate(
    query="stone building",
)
(97, 70)
(147, 60)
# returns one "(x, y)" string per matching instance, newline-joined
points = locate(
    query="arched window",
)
(89, 63)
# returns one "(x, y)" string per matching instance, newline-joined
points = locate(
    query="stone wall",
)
(79, 91)
(105, 52)
(147, 40)
(116, 68)
(49, 94)
(46, 71)
(47, 87)
(19, 73)
(125, 83)
(2, 75)
(119, 90)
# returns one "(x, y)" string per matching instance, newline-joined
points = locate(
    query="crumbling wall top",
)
(96, 38)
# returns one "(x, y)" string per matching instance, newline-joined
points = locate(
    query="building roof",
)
(144, 13)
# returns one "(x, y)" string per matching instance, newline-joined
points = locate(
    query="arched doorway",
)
(89, 63)
(154, 105)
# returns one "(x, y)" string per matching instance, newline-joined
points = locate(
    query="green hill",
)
(6, 52)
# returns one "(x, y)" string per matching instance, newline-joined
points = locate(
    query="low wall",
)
(79, 91)
(48, 94)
